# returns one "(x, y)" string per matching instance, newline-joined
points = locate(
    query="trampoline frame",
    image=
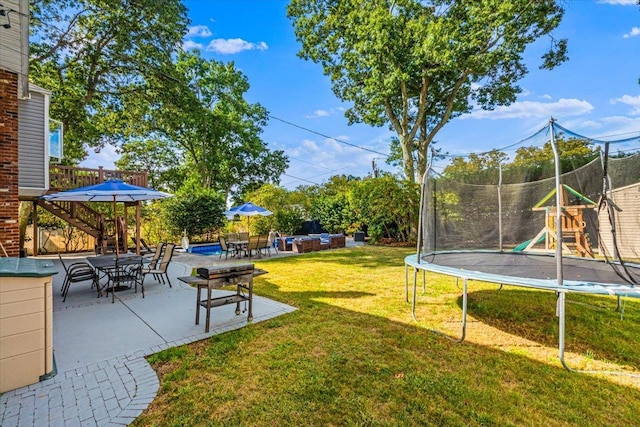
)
(558, 285)
(546, 285)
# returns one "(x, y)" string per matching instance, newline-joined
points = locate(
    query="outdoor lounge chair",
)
(144, 247)
(75, 273)
(159, 269)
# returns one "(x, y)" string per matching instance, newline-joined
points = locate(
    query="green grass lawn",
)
(351, 355)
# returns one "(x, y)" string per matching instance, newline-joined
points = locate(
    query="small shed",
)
(626, 202)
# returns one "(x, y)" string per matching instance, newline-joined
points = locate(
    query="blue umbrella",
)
(247, 209)
(109, 191)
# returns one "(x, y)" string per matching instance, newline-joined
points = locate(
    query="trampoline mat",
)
(533, 266)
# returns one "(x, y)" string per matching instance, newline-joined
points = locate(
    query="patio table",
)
(239, 245)
(107, 264)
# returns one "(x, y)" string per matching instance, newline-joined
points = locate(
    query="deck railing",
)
(63, 178)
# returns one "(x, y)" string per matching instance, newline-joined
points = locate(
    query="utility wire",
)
(299, 179)
(327, 136)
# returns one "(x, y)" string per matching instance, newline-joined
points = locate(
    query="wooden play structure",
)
(575, 239)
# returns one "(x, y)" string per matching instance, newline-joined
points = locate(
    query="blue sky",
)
(596, 93)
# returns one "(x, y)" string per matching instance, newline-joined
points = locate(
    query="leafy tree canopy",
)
(92, 53)
(415, 65)
(529, 163)
(158, 157)
(196, 210)
(203, 111)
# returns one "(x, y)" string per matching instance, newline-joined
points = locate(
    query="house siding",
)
(33, 138)
(14, 42)
(9, 202)
(627, 220)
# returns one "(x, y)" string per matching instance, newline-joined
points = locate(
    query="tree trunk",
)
(407, 159)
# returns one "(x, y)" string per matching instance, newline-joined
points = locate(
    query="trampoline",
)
(538, 271)
(466, 229)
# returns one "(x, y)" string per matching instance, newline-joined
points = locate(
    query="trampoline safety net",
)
(513, 208)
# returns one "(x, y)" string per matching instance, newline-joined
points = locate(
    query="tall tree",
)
(415, 65)
(158, 157)
(203, 111)
(91, 53)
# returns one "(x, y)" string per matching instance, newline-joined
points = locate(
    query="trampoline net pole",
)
(556, 159)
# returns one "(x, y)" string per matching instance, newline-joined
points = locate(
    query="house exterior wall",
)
(33, 135)
(9, 203)
(14, 42)
(627, 221)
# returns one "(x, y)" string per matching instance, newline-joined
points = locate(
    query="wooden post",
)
(125, 234)
(138, 228)
(35, 228)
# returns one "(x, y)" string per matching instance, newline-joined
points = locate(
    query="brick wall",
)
(9, 203)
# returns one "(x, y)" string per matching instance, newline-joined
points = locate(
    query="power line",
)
(300, 179)
(309, 163)
(327, 136)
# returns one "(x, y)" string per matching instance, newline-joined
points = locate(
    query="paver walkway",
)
(99, 348)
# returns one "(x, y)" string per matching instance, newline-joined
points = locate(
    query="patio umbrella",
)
(247, 209)
(109, 191)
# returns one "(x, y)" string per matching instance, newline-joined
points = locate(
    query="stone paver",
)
(114, 392)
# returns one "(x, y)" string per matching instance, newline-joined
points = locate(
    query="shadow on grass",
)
(331, 365)
(593, 326)
(359, 256)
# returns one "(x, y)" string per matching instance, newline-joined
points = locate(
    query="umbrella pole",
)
(115, 224)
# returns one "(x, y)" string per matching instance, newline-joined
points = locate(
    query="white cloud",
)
(527, 109)
(635, 31)
(189, 44)
(318, 113)
(199, 31)
(325, 113)
(310, 145)
(546, 96)
(632, 101)
(231, 46)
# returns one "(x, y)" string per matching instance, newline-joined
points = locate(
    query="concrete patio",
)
(99, 348)
(103, 378)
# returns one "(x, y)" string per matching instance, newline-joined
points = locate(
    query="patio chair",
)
(159, 270)
(126, 274)
(265, 245)
(232, 237)
(225, 249)
(254, 245)
(243, 236)
(155, 255)
(78, 272)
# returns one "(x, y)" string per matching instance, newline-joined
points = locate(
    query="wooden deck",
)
(63, 178)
